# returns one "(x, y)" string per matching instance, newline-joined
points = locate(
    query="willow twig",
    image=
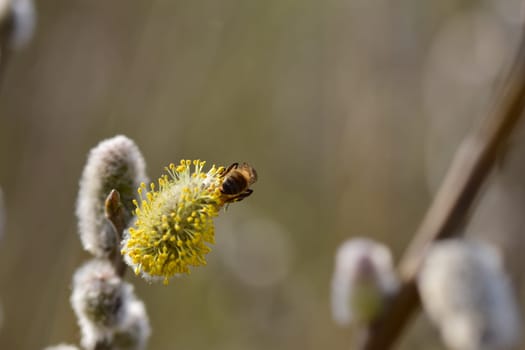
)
(453, 202)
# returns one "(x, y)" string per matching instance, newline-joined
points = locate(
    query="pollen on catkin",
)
(115, 163)
(174, 221)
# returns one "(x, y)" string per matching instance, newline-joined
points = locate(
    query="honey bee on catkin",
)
(236, 182)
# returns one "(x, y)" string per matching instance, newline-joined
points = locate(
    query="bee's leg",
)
(243, 195)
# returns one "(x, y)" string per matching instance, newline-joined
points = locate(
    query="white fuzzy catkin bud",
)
(107, 310)
(467, 294)
(62, 347)
(98, 294)
(362, 282)
(115, 163)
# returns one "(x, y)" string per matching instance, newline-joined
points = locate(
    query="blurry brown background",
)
(348, 109)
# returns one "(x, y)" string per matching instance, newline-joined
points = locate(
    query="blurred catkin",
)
(362, 282)
(468, 295)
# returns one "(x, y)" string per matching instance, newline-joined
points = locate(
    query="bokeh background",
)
(350, 110)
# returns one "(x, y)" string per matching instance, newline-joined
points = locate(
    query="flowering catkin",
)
(174, 223)
(107, 310)
(362, 282)
(115, 163)
(467, 294)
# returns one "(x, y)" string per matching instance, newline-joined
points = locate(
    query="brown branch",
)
(449, 211)
(114, 211)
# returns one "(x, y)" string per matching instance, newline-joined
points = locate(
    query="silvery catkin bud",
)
(467, 294)
(98, 294)
(106, 308)
(362, 282)
(115, 163)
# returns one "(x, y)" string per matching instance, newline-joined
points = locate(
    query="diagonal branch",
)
(453, 202)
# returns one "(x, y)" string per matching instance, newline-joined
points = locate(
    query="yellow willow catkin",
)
(174, 221)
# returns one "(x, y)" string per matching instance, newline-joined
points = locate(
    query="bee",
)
(236, 182)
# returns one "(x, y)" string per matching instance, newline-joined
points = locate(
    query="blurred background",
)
(350, 110)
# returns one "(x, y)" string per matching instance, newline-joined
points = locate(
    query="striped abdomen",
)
(234, 183)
